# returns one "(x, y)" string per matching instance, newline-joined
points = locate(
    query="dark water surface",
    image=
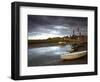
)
(50, 55)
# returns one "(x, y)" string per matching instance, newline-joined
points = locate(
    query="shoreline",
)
(34, 45)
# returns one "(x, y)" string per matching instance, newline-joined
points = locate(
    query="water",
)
(47, 55)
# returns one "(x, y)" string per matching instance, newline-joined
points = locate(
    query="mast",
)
(78, 31)
(73, 32)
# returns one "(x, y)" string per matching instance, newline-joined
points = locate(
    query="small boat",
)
(61, 43)
(74, 55)
(78, 47)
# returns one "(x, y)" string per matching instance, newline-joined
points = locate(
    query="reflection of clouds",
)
(42, 50)
(52, 50)
(61, 27)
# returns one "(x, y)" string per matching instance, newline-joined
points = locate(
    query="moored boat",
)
(61, 43)
(74, 55)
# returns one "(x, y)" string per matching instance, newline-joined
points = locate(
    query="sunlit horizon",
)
(45, 36)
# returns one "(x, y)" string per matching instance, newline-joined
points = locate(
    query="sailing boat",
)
(78, 51)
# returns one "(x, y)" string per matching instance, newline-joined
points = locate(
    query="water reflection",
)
(52, 49)
(43, 55)
(50, 55)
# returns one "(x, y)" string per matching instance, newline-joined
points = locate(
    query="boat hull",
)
(74, 55)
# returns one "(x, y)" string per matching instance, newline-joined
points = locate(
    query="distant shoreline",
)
(36, 45)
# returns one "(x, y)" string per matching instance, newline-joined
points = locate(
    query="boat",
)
(74, 55)
(78, 47)
(62, 43)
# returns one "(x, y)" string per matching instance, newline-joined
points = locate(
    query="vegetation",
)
(67, 39)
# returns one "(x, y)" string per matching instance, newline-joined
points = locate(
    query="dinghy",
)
(74, 55)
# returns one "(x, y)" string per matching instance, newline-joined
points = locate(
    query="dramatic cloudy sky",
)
(43, 27)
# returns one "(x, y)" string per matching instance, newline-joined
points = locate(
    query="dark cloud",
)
(57, 25)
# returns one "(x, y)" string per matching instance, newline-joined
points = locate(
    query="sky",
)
(43, 27)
